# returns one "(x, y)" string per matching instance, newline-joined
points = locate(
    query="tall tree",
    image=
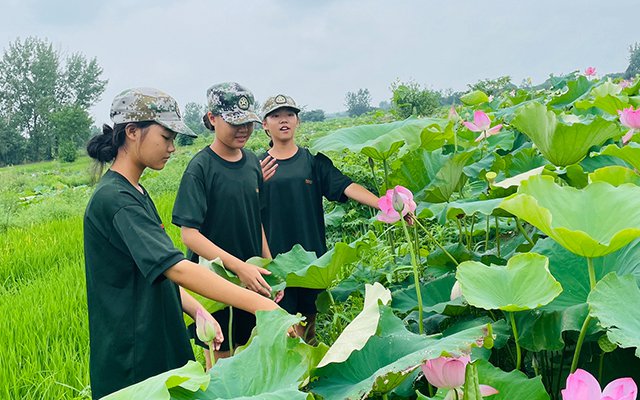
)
(35, 82)
(70, 128)
(634, 61)
(358, 103)
(12, 144)
(410, 99)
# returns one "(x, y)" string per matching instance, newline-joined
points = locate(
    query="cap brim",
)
(240, 118)
(178, 127)
(276, 107)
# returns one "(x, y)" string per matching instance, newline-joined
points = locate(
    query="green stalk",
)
(373, 175)
(416, 276)
(212, 354)
(473, 222)
(459, 231)
(435, 241)
(230, 330)
(521, 229)
(497, 235)
(585, 325)
(600, 365)
(386, 174)
(385, 396)
(515, 336)
(486, 236)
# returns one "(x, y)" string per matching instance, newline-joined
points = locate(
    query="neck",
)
(226, 152)
(284, 149)
(128, 168)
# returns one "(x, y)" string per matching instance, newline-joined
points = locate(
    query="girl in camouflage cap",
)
(300, 181)
(134, 273)
(218, 203)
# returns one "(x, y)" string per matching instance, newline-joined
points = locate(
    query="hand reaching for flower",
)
(251, 277)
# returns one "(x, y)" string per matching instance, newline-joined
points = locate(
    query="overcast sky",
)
(316, 51)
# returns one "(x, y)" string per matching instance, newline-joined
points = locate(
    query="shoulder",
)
(110, 197)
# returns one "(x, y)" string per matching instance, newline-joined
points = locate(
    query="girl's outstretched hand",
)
(251, 278)
(268, 166)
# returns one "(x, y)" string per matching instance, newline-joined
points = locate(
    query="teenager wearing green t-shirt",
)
(218, 203)
(294, 187)
(134, 274)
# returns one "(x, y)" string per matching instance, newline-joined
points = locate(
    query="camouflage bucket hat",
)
(279, 101)
(233, 102)
(148, 104)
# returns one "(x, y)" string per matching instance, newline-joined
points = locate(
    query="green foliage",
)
(71, 127)
(358, 103)
(410, 99)
(312, 115)
(35, 83)
(193, 113)
(493, 87)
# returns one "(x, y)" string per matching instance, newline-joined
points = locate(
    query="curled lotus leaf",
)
(589, 222)
(563, 140)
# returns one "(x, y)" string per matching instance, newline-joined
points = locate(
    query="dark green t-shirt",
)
(135, 314)
(293, 210)
(222, 200)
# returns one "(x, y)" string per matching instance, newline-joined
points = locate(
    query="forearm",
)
(204, 247)
(200, 280)
(360, 194)
(266, 252)
(189, 304)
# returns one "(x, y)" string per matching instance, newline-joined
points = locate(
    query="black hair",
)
(104, 147)
(207, 122)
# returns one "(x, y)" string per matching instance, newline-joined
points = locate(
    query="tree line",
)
(44, 101)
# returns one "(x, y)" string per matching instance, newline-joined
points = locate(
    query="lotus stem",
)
(459, 231)
(212, 354)
(592, 273)
(373, 175)
(416, 276)
(585, 325)
(386, 174)
(473, 222)
(230, 330)
(600, 366)
(576, 354)
(385, 396)
(435, 241)
(521, 229)
(515, 337)
(497, 235)
(486, 236)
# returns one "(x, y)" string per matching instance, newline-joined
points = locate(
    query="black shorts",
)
(243, 323)
(300, 300)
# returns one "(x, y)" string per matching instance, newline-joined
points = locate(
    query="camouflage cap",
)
(148, 104)
(278, 101)
(233, 102)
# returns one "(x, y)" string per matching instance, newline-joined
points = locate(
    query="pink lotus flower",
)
(624, 83)
(581, 385)
(590, 71)
(482, 123)
(448, 373)
(205, 329)
(453, 114)
(631, 119)
(401, 198)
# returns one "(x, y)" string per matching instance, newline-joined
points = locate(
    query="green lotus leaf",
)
(562, 142)
(387, 359)
(518, 179)
(363, 326)
(615, 301)
(542, 329)
(474, 98)
(436, 297)
(510, 385)
(378, 141)
(576, 90)
(190, 377)
(583, 221)
(484, 207)
(522, 160)
(321, 273)
(615, 175)
(449, 179)
(629, 153)
(509, 287)
(278, 364)
(607, 103)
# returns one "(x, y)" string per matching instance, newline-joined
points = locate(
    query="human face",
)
(231, 137)
(155, 146)
(281, 124)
